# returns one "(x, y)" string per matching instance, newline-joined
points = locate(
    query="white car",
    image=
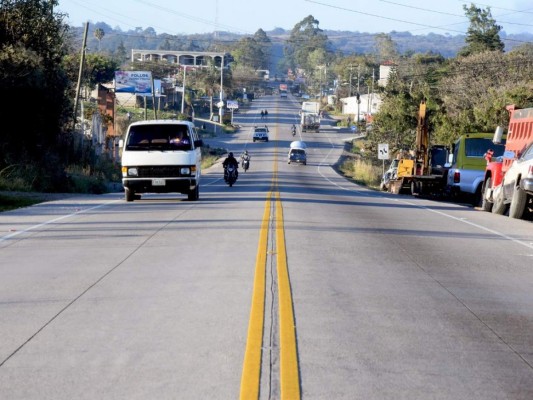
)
(517, 184)
(260, 134)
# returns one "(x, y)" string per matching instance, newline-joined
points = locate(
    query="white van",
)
(161, 156)
(297, 153)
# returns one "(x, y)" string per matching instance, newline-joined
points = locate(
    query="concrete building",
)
(369, 105)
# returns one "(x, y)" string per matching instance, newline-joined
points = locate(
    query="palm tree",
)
(99, 34)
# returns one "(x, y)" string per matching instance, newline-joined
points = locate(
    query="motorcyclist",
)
(293, 129)
(230, 160)
(245, 157)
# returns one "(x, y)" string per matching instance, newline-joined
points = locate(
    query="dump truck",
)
(519, 137)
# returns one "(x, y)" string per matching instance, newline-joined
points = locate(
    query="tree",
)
(477, 88)
(99, 35)
(386, 49)
(121, 52)
(31, 50)
(483, 32)
(248, 53)
(414, 79)
(305, 37)
(253, 51)
(265, 43)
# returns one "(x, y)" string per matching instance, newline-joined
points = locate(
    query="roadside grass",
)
(12, 202)
(211, 155)
(357, 167)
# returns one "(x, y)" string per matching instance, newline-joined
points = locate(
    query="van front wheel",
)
(194, 194)
(129, 194)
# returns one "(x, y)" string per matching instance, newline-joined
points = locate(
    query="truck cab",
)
(468, 163)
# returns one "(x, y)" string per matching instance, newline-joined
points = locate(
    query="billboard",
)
(133, 82)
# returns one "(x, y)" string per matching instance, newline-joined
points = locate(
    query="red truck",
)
(519, 136)
(283, 87)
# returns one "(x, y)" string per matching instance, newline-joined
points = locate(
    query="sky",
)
(177, 17)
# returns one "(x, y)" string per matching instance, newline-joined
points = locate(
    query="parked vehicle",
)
(496, 197)
(297, 153)
(389, 174)
(467, 165)
(421, 171)
(517, 184)
(161, 156)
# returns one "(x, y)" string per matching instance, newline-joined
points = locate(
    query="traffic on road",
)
(293, 283)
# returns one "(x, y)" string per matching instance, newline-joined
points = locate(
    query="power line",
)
(398, 20)
(453, 15)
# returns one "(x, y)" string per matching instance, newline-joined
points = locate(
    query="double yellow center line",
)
(289, 372)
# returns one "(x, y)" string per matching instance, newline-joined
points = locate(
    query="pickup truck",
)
(517, 185)
(260, 134)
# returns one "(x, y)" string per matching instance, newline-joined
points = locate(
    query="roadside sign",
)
(383, 151)
(232, 104)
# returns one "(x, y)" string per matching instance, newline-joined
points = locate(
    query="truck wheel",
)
(499, 206)
(477, 196)
(416, 188)
(518, 203)
(486, 204)
(129, 194)
(194, 194)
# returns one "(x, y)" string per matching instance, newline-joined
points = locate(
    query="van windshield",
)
(158, 137)
(477, 147)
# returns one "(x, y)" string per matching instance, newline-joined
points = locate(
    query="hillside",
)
(342, 41)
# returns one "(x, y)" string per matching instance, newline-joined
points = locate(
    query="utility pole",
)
(351, 68)
(221, 108)
(80, 73)
(358, 94)
(183, 93)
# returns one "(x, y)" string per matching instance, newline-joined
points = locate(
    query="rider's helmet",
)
(230, 154)
(245, 151)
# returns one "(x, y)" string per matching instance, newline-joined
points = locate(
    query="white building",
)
(369, 105)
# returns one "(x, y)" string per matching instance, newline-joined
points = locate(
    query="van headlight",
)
(185, 171)
(133, 171)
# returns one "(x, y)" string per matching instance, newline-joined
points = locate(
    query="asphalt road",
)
(294, 283)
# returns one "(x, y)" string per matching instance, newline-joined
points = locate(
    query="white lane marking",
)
(462, 219)
(31, 228)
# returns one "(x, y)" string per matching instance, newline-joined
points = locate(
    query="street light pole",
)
(358, 95)
(183, 93)
(221, 108)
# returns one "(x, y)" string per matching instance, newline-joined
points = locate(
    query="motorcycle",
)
(245, 164)
(293, 131)
(230, 175)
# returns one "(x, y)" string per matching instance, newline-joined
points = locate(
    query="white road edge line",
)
(11, 235)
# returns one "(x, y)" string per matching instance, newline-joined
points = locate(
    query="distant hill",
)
(343, 41)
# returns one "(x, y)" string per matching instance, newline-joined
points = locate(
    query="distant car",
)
(260, 134)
